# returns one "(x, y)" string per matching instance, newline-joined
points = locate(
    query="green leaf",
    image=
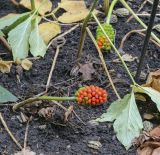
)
(10, 19)
(129, 123)
(37, 45)
(153, 94)
(18, 39)
(114, 110)
(6, 96)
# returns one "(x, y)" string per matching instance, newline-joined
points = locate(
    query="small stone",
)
(68, 146)
(42, 127)
(114, 19)
(93, 123)
(94, 145)
(122, 12)
(148, 126)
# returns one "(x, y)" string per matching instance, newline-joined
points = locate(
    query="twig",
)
(79, 118)
(63, 34)
(151, 2)
(53, 64)
(142, 5)
(9, 132)
(135, 31)
(5, 43)
(146, 14)
(15, 2)
(103, 62)
(26, 133)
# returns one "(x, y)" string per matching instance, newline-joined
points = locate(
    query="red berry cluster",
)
(91, 95)
(102, 42)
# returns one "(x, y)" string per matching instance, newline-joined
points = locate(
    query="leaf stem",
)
(83, 31)
(120, 57)
(37, 98)
(106, 6)
(110, 11)
(138, 19)
(32, 4)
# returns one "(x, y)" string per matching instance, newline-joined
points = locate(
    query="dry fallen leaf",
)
(153, 80)
(145, 151)
(26, 151)
(148, 116)
(26, 64)
(140, 97)
(68, 114)
(87, 70)
(49, 30)
(156, 151)
(5, 66)
(46, 5)
(75, 11)
(128, 57)
(155, 133)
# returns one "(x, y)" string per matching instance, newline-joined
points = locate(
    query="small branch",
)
(103, 62)
(83, 32)
(63, 34)
(5, 43)
(54, 63)
(9, 132)
(142, 5)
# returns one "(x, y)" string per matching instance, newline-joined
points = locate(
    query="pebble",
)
(93, 123)
(121, 12)
(114, 19)
(148, 126)
(94, 145)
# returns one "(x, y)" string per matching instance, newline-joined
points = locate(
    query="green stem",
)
(120, 57)
(49, 98)
(138, 19)
(110, 11)
(32, 4)
(106, 6)
(83, 31)
(55, 98)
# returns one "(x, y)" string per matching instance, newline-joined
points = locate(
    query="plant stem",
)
(32, 4)
(55, 98)
(110, 11)
(138, 19)
(106, 6)
(83, 31)
(120, 57)
(37, 98)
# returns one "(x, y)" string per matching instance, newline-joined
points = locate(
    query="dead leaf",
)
(26, 64)
(47, 113)
(155, 133)
(148, 116)
(75, 11)
(68, 114)
(49, 30)
(140, 97)
(87, 70)
(5, 66)
(128, 57)
(153, 80)
(145, 151)
(26, 151)
(46, 5)
(156, 151)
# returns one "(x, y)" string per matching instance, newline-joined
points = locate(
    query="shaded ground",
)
(73, 138)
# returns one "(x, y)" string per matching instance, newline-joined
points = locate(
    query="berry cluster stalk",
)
(120, 57)
(32, 4)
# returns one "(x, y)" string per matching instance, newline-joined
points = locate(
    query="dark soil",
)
(74, 136)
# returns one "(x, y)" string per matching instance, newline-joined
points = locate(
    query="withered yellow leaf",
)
(75, 11)
(153, 80)
(49, 30)
(5, 66)
(26, 64)
(73, 6)
(46, 5)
